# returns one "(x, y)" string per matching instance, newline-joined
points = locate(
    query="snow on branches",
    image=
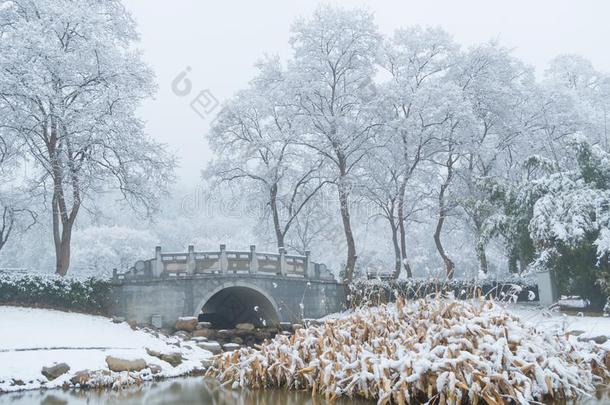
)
(573, 208)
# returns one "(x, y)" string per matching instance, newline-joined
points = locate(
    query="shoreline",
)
(46, 349)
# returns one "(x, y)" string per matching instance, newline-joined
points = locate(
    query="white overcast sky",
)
(221, 40)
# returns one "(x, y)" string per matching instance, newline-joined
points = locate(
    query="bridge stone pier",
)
(226, 288)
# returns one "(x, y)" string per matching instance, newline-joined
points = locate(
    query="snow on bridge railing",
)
(192, 263)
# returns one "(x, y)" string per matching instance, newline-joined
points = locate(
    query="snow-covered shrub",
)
(441, 351)
(89, 295)
(378, 291)
(556, 216)
(571, 220)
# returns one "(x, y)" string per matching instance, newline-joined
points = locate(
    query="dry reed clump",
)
(444, 351)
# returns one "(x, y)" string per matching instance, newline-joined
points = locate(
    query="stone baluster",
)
(158, 266)
(253, 260)
(283, 270)
(309, 267)
(190, 260)
(223, 260)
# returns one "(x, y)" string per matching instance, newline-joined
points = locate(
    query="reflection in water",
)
(184, 391)
(198, 390)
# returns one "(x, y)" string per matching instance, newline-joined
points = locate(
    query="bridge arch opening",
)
(238, 304)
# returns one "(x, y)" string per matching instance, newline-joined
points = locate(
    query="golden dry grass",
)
(438, 350)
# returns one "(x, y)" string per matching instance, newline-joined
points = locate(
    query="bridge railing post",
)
(253, 260)
(310, 271)
(158, 266)
(190, 260)
(223, 260)
(283, 270)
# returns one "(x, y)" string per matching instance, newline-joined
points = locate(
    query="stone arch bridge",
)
(226, 287)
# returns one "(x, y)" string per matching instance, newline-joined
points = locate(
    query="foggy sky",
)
(220, 41)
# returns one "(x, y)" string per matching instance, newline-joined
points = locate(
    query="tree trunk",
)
(512, 261)
(397, 253)
(449, 266)
(442, 212)
(401, 226)
(63, 221)
(480, 245)
(8, 220)
(62, 234)
(482, 256)
(62, 263)
(279, 235)
(350, 263)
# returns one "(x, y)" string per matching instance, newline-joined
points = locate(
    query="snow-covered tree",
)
(571, 219)
(417, 60)
(71, 82)
(513, 198)
(497, 87)
(334, 66)
(256, 139)
(100, 249)
(15, 215)
(576, 78)
(452, 139)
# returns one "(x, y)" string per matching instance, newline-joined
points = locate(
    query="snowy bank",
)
(35, 338)
(554, 321)
(446, 351)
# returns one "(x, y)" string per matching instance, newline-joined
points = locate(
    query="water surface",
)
(198, 391)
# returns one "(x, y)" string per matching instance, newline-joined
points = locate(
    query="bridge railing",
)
(192, 263)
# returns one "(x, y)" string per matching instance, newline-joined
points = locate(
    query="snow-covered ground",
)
(32, 338)
(556, 321)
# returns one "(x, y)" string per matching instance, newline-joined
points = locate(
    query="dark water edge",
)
(183, 391)
(198, 391)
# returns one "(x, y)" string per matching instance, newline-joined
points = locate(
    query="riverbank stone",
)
(225, 333)
(154, 369)
(187, 323)
(81, 377)
(237, 339)
(174, 358)
(54, 371)
(229, 347)
(182, 335)
(206, 333)
(118, 364)
(212, 346)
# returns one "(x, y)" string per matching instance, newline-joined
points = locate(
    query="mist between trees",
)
(238, 203)
(406, 154)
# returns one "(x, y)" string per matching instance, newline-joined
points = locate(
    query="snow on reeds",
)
(439, 350)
